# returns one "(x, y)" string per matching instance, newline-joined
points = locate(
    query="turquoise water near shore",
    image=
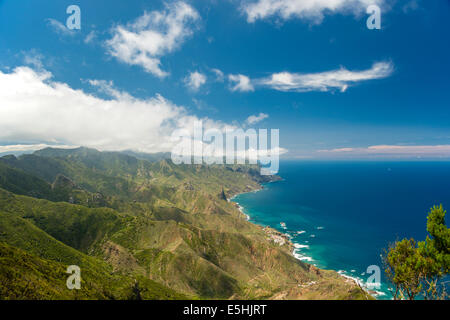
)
(341, 215)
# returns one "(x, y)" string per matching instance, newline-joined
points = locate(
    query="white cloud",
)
(410, 6)
(219, 74)
(215, 151)
(59, 28)
(210, 150)
(153, 35)
(241, 83)
(195, 80)
(324, 81)
(340, 79)
(257, 154)
(256, 118)
(34, 59)
(399, 150)
(34, 109)
(107, 87)
(311, 10)
(30, 147)
(90, 37)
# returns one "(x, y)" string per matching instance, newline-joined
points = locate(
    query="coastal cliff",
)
(168, 230)
(314, 289)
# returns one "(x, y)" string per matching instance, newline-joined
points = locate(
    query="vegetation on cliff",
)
(416, 269)
(141, 227)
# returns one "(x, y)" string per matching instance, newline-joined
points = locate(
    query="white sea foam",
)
(302, 257)
(362, 284)
(298, 254)
(241, 209)
(357, 280)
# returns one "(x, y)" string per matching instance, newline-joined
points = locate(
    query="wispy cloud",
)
(34, 59)
(59, 27)
(90, 37)
(107, 87)
(219, 74)
(310, 10)
(394, 150)
(144, 41)
(253, 119)
(195, 80)
(325, 81)
(411, 5)
(339, 79)
(30, 147)
(240, 83)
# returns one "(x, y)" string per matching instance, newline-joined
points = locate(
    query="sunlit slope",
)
(124, 218)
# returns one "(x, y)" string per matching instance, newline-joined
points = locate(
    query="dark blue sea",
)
(341, 215)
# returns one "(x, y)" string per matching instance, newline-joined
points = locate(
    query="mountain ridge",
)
(155, 221)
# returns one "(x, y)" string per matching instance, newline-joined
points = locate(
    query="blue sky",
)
(334, 88)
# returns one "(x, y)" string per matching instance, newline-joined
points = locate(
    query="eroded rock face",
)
(314, 270)
(191, 241)
(62, 182)
(223, 196)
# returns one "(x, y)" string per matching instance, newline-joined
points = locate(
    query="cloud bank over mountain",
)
(35, 109)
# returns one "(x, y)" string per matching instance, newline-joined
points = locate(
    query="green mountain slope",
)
(19, 182)
(168, 227)
(33, 266)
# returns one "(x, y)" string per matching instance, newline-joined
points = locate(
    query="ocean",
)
(341, 215)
